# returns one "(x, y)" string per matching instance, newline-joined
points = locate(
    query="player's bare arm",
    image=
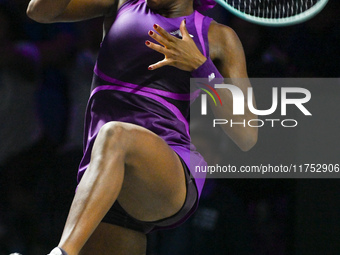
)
(49, 11)
(227, 53)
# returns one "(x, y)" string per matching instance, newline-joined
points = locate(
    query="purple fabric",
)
(123, 88)
(203, 5)
(168, 105)
(111, 103)
(168, 94)
(124, 56)
(199, 26)
(207, 69)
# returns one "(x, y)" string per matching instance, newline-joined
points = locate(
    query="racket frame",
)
(276, 22)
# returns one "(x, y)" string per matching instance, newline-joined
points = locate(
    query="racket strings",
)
(272, 9)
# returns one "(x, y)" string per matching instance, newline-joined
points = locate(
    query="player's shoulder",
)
(222, 39)
(221, 32)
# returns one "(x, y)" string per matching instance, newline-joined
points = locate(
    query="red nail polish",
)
(150, 32)
(149, 68)
(147, 42)
(155, 26)
(185, 21)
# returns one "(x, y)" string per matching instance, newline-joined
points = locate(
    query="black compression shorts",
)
(118, 216)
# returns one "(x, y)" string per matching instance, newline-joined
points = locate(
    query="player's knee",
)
(114, 133)
(112, 129)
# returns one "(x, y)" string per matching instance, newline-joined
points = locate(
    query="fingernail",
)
(155, 26)
(185, 21)
(147, 42)
(150, 68)
(150, 32)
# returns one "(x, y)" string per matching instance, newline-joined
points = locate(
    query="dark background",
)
(45, 76)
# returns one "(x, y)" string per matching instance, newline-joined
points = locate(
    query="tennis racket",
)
(274, 12)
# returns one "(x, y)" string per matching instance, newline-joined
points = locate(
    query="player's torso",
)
(125, 56)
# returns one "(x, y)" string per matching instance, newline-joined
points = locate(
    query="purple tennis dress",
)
(123, 88)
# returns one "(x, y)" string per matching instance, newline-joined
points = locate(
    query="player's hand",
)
(181, 53)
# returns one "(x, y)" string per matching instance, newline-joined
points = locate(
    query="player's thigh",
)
(154, 184)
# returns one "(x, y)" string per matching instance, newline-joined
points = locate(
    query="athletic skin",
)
(123, 89)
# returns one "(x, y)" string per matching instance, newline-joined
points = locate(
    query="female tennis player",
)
(134, 175)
